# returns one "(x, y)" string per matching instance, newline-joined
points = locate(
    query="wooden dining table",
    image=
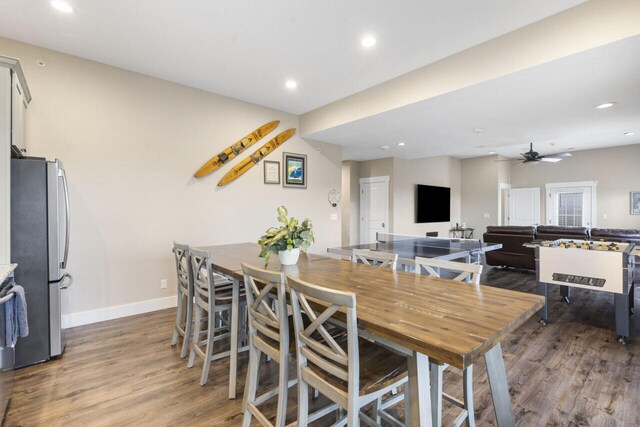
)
(423, 317)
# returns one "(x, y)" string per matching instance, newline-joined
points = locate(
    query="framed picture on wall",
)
(271, 172)
(635, 203)
(295, 170)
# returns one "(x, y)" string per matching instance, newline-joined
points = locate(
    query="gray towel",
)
(16, 324)
(4, 289)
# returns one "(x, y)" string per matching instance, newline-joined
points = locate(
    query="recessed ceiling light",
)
(384, 147)
(478, 130)
(605, 105)
(629, 133)
(402, 144)
(492, 152)
(62, 6)
(368, 40)
(291, 84)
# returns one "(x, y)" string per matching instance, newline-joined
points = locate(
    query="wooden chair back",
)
(467, 272)
(267, 306)
(203, 289)
(317, 346)
(184, 279)
(375, 258)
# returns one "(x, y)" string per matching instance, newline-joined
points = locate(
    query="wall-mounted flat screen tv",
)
(433, 204)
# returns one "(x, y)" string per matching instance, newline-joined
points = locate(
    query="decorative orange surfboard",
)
(233, 150)
(257, 155)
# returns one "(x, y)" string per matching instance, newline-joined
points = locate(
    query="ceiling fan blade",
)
(550, 159)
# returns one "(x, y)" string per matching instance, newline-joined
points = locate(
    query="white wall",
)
(442, 171)
(350, 203)
(480, 189)
(404, 174)
(616, 169)
(130, 144)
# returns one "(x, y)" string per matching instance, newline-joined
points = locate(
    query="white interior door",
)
(374, 207)
(524, 206)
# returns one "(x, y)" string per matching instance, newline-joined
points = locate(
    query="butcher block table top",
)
(450, 322)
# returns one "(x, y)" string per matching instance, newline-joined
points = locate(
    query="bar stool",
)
(468, 272)
(269, 333)
(351, 372)
(184, 313)
(213, 307)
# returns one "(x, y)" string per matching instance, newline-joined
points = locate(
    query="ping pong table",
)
(410, 247)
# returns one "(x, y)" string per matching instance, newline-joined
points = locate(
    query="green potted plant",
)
(286, 240)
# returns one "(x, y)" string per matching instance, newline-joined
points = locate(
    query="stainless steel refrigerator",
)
(40, 246)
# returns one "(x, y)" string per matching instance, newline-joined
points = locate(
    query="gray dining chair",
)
(350, 371)
(465, 272)
(213, 310)
(375, 258)
(269, 335)
(184, 313)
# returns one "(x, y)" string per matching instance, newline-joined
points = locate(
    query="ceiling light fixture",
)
(629, 133)
(492, 152)
(368, 41)
(478, 130)
(401, 144)
(291, 84)
(384, 147)
(605, 105)
(41, 62)
(62, 6)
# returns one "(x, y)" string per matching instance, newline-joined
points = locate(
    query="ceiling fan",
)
(534, 157)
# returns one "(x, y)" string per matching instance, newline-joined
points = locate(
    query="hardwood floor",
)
(571, 372)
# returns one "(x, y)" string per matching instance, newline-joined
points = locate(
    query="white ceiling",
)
(248, 49)
(551, 105)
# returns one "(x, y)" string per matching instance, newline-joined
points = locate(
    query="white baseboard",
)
(116, 312)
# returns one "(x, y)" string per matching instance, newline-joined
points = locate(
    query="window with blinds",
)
(570, 209)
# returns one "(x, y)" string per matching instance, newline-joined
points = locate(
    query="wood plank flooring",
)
(571, 372)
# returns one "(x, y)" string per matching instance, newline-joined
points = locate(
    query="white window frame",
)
(551, 186)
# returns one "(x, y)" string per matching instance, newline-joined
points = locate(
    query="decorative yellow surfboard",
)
(233, 150)
(257, 155)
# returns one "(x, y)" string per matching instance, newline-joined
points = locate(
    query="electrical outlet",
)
(163, 283)
(334, 217)
(605, 216)
(486, 215)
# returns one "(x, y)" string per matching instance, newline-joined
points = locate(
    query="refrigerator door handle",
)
(69, 282)
(63, 175)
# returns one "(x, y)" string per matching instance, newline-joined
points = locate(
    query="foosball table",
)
(595, 265)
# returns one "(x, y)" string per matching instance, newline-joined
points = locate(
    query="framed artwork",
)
(635, 203)
(295, 170)
(271, 172)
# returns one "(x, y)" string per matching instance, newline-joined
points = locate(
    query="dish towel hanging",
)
(14, 323)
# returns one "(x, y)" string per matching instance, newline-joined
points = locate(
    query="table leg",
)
(499, 387)
(233, 356)
(543, 313)
(419, 412)
(621, 304)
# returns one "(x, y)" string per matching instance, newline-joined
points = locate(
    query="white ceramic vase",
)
(289, 257)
